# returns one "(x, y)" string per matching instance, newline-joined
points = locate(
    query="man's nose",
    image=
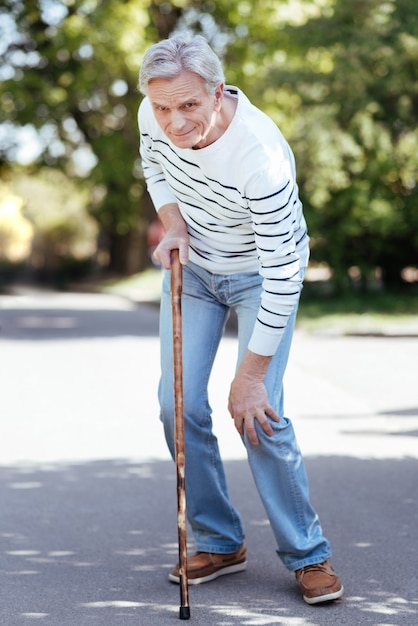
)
(177, 120)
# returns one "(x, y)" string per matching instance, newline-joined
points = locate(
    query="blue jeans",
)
(276, 463)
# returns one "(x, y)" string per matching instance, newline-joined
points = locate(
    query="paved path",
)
(88, 523)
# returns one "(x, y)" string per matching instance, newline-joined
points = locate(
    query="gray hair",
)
(168, 58)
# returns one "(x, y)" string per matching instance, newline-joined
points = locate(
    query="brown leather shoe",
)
(319, 583)
(205, 566)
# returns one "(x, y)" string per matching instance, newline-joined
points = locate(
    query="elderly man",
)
(223, 181)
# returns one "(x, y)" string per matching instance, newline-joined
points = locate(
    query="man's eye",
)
(189, 105)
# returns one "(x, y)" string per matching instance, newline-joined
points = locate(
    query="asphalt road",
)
(88, 498)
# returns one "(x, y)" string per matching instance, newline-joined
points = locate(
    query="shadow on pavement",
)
(67, 323)
(49, 324)
(92, 543)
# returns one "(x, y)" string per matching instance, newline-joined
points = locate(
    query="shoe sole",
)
(231, 569)
(326, 598)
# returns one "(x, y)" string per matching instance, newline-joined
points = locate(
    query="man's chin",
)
(184, 145)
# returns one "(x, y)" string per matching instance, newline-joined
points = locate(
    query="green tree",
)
(71, 72)
(339, 78)
(64, 234)
(354, 71)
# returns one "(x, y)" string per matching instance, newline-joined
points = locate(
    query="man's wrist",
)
(254, 365)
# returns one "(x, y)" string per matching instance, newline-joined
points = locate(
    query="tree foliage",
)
(356, 136)
(73, 68)
(339, 78)
(64, 233)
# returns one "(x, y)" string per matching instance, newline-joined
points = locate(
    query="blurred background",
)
(339, 78)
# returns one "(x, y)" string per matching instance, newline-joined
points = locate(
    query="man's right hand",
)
(176, 236)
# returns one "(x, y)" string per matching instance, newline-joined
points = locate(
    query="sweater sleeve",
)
(282, 244)
(157, 186)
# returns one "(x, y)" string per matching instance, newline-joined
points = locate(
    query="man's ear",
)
(219, 92)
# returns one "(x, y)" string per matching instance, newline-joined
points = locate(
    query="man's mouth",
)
(183, 134)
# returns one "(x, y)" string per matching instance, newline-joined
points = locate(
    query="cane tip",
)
(184, 612)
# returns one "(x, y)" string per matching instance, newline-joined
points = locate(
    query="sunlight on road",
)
(80, 375)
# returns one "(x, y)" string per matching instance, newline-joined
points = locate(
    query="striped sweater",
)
(240, 201)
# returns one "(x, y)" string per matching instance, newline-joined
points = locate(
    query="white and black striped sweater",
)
(240, 200)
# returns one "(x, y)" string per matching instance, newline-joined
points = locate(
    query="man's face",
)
(185, 111)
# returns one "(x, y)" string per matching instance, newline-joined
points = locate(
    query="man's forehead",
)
(186, 86)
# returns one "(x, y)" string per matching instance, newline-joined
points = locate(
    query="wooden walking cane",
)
(176, 291)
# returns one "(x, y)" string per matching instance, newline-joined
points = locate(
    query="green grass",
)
(143, 287)
(354, 311)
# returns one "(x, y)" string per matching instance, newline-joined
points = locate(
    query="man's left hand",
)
(248, 400)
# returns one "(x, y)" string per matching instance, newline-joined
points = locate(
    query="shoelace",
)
(315, 567)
